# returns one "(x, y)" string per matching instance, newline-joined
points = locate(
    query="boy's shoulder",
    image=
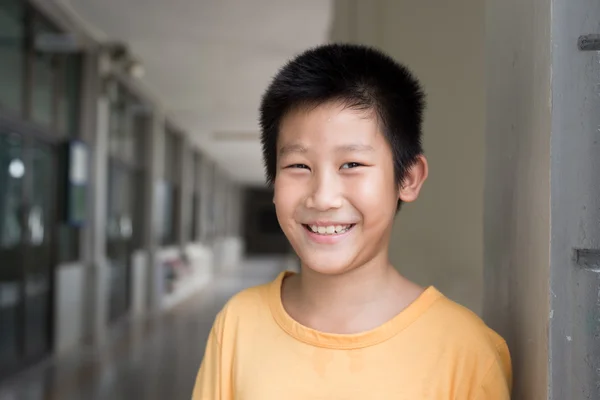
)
(465, 332)
(454, 319)
(251, 297)
(248, 303)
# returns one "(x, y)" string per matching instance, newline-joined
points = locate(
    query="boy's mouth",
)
(329, 230)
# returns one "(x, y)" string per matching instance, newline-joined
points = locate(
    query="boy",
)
(341, 136)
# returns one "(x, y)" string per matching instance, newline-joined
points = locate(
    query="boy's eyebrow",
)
(347, 148)
(292, 148)
(354, 148)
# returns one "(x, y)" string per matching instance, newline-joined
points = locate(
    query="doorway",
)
(28, 218)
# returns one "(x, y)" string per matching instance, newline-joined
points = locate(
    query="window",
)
(170, 190)
(12, 53)
(120, 202)
(45, 71)
(194, 232)
(212, 206)
(220, 200)
(125, 122)
(127, 127)
(125, 205)
(12, 170)
(68, 110)
(42, 87)
(56, 80)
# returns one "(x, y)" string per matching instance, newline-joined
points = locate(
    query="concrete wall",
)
(517, 190)
(438, 239)
(574, 359)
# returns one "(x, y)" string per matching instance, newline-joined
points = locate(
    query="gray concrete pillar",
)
(96, 312)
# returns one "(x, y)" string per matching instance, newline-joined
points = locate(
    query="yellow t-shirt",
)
(434, 349)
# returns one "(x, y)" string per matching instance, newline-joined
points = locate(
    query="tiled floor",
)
(155, 360)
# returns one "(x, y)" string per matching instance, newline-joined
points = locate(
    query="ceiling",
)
(208, 61)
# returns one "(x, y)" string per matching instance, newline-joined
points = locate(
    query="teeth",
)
(329, 230)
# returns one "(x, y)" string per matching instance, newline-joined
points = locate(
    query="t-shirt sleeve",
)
(211, 381)
(497, 383)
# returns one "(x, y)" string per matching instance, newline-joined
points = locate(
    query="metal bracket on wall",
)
(587, 259)
(589, 42)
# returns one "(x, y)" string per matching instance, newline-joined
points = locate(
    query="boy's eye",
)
(302, 166)
(351, 165)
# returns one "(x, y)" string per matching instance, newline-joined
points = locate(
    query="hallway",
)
(154, 359)
(132, 177)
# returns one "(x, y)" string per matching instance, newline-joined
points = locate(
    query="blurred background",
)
(132, 196)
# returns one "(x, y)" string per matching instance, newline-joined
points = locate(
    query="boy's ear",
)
(409, 188)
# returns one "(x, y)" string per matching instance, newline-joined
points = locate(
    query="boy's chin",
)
(326, 265)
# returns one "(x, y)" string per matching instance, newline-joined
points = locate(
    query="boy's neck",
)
(375, 282)
(353, 302)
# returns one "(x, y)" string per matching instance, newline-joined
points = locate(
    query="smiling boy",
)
(341, 135)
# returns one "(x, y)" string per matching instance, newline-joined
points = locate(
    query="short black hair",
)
(358, 76)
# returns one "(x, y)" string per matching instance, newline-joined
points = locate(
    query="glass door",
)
(28, 181)
(12, 171)
(119, 243)
(38, 246)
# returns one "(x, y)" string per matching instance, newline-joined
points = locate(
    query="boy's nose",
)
(325, 194)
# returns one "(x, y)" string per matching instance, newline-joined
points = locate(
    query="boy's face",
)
(335, 176)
